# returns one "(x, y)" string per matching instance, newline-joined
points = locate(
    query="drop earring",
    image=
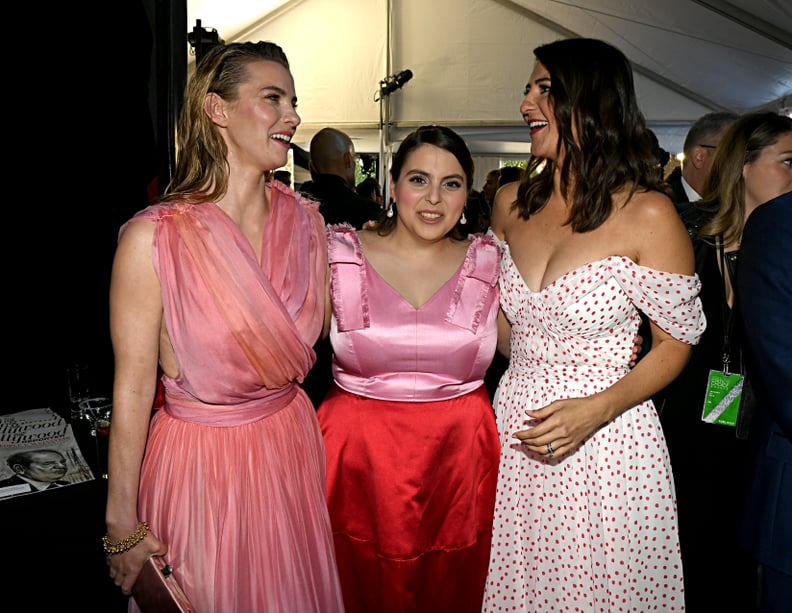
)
(463, 219)
(389, 210)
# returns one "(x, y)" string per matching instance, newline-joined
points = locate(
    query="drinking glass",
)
(102, 428)
(94, 408)
(98, 412)
(78, 381)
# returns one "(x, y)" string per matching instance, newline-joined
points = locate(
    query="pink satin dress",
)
(233, 478)
(412, 445)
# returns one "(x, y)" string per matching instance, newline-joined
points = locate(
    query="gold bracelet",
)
(127, 543)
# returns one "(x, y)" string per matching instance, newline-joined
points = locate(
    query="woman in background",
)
(371, 189)
(710, 455)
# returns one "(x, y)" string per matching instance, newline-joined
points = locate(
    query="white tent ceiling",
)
(470, 59)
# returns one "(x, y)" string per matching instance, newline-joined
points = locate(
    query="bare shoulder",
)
(503, 211)
(136, 234)
(368, 236)
(651, 206)
(134, 250)
(660, 238)
(138, 229)
(652, 213)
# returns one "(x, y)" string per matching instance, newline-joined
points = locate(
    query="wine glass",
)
(94, 409)
(78, 381)
(98, 411)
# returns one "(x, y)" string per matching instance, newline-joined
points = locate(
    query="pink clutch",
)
(156, 590)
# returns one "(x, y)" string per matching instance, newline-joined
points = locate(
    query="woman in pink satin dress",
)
(222, 286)
(409, 429)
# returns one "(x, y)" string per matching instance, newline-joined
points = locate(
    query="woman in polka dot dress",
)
(585, 514)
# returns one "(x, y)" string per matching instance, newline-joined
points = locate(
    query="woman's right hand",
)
(125, 567)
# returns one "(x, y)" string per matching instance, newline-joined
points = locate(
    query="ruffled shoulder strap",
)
(477, 285)
(669, 299)
(345, 255)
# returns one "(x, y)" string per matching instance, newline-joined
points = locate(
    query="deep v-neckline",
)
(560, 278)
(369, 266)
(402, 297)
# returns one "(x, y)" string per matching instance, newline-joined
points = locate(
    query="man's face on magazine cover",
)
(45, 466)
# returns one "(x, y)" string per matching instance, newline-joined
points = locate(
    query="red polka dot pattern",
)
(596, 530)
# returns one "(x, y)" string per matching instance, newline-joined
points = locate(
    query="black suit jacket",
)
(338, 203)
(692, 214)
(674, 179)
(764, 291)
(17, 480)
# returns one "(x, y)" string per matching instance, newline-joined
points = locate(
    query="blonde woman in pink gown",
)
(222, 286)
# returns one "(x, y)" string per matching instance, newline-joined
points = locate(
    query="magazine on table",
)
(38, 452)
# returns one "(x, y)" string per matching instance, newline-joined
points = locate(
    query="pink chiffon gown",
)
(594, 530)
(410, 433)
(233, 478)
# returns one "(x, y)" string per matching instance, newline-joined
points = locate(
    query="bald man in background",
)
(332, 164)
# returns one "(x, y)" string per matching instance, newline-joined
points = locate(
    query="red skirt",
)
(411, 492)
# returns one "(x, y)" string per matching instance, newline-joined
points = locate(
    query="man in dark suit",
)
(699, 148)
(687, 181)
(333, 162)
(764, 292)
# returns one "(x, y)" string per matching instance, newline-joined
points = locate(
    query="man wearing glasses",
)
(699, 147)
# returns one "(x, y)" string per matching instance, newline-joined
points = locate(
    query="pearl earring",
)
(389, 210)
(463, 219)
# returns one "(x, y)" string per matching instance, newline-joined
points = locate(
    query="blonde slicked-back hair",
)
(201, 172)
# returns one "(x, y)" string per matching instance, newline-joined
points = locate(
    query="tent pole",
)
(384, 100)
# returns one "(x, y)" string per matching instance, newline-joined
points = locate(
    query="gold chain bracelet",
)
(127, 543)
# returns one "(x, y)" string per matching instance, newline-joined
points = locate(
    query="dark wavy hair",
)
(603, 137)
(439, 136)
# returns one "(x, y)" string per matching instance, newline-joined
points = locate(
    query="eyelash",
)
(276, 98)
(543, 89)
(452, 184)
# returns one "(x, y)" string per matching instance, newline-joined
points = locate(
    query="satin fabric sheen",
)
(411, 440)
(233, 478)
(386, 348)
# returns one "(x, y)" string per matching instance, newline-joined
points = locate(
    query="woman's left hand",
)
(561, 426)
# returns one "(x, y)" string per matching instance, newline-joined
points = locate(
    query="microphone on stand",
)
(388, 85)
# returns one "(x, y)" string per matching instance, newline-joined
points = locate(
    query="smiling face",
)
(770, 174)
(430, 192)
(258, 126)
(537, 111)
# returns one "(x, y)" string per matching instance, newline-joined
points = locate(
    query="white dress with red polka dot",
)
(594, 530)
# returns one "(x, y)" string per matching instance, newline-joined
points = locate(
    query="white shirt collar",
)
(692, 194)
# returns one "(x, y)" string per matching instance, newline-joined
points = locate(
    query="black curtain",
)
(96, 89)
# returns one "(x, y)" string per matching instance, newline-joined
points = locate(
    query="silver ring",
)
(550, 450)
